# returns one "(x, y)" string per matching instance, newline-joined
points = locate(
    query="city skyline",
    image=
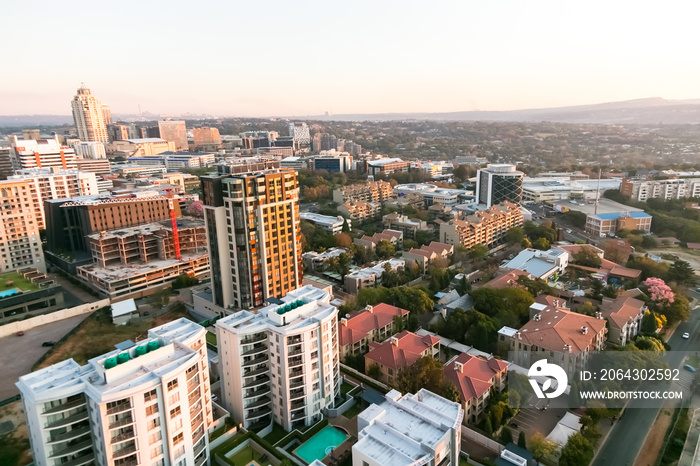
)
(393, 57)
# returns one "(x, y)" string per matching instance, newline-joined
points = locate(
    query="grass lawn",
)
(211, 338)
(345, 388)
(13, 451)
(97, 335)
(17, 282)
(276, 435)
(353, 411)
(244, 457)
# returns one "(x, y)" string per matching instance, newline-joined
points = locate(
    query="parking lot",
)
(18, 354)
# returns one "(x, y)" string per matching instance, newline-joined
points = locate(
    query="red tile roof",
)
(557, 327)
(363, 322)
(401, 350)
(472, 379)
(507, 279)
(622, 309)
(693, 246)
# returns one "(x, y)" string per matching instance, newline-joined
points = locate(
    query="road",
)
(626, 439)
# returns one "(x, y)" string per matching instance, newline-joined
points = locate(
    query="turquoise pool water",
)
(12, 292)
(318, 446)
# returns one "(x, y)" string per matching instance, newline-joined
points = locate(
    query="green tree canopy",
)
(578, 451)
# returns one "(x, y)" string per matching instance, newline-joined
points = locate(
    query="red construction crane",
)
(173, 219)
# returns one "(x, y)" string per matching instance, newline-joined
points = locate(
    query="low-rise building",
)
(411, 429)
(373, 323)
(149, 402)
(475, 378)
(318, 261)
(408, 226)
(610, 223)
(544, 265)
(428, 253)
(558, 334)
(370, 276)
(386, 166)
(506, 278)
(140, 147)
(393, 236)
(487, 227)
(432, 194)
(624, 315)
(372, 191)
(128, 170)
(398, 352)
(360, 210)
(327, 222)
(175, 161)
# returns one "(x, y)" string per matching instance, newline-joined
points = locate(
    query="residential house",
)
(370, 276)
(374, 323)
(399, 352)
(624, 314)
(428, 253)
(395, 237)
(474, 378)
(544, 265)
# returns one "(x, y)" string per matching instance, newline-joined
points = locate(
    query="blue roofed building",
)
(607, 223)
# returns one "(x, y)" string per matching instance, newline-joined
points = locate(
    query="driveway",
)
(18, 354)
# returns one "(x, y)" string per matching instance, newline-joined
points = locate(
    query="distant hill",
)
(653, 110)
(35, 120)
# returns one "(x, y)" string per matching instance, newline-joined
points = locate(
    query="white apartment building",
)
(90, 115)
(42, 153)
(281, 363)
(679, 188)
(54, 183)
(420, 429)
(327, 222)
(90, 150)
(149, 404)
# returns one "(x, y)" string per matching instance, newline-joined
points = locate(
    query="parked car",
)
(48, 343)
(688, 367)
(686, 335)
(20, 333)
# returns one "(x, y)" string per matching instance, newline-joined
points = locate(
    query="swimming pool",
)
(320, 445)
(6, 293)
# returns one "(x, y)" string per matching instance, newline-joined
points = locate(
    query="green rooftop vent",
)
(122, 358)
(140, 351)
(152, 345)
(110, 363)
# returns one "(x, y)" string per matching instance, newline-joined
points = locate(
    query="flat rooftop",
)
(182, 222)
(119, 272)
(605, 206)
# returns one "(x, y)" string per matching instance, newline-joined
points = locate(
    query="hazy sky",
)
(258, 58)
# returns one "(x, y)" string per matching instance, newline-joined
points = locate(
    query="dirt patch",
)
(655, 440)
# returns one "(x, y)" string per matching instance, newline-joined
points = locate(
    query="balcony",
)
(294, 352)
(254, 414)
(258, 392)
(197, 423)
(66, 406)
(257, 381)
(199, 448)
(72, 434)
(255, 350)
(294, 340)
(299, 413)
(121, 422)
(85, 459)
(80, 416)
(258, 371)
(127, 450)
(194, 410)
(294, 394)
(297, 383)
(296, 361)
(297, 404)
(192, 385)
(72, 449)
(254, 361)
(119, 408)
(254, 339)
(200, 461)
(295, 372)
(261, 402)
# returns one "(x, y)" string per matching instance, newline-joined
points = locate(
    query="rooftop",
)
(322, 219)
(472, 375)
(145, 140)
(401, 350)
(358, 325)
(119, 272)
(605, 206)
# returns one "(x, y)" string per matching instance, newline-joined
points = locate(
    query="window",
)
(153, 438)
(172, 385)
(151, 410)
(175, 398)
(177, 439)
(153, 423)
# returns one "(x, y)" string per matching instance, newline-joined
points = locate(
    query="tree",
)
(385, 249)
(374, 371)
(542, 244)
(160, 298)
(617, 250)
(478, 252)
(515, 235)
(409, 244)
(399, 324)
(506, 435)
(488, 428)
(587, 257)
(610, 291)
(426, 372)
(578, 451)
(652, 322)
(597, 288)
(681, 272)
(510, 305)
(525, 243)
(648, 242)
(522, 443)
(541, 447)
(450, 392)
(648, 344)
(535, 286)
(184, 280)
(678, 310)
(649, 267)
(346, 227)
(659, 291)
(424, 237)
(342, 240)
(196, 209)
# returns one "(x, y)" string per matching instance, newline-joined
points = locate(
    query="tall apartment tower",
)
(42, 153)
(174, 131)
(7, 162)
(254, 236)
(89, 116)
(499, 182)
(149, 404)
(20, 245)
(299, 132)
(281, 363)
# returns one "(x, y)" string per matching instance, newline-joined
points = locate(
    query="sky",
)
(295, 58)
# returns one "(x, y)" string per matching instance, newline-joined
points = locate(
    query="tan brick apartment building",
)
(485, 227)
(372, 191)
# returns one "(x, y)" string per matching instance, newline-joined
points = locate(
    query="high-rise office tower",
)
(499, 182)
(174, 131)
(254, 236)
(89, 116)
(281, 363)
(106, 114)
(44, 153)
(149, 404)
(206, 136)
(299, 132)
(20, 245)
